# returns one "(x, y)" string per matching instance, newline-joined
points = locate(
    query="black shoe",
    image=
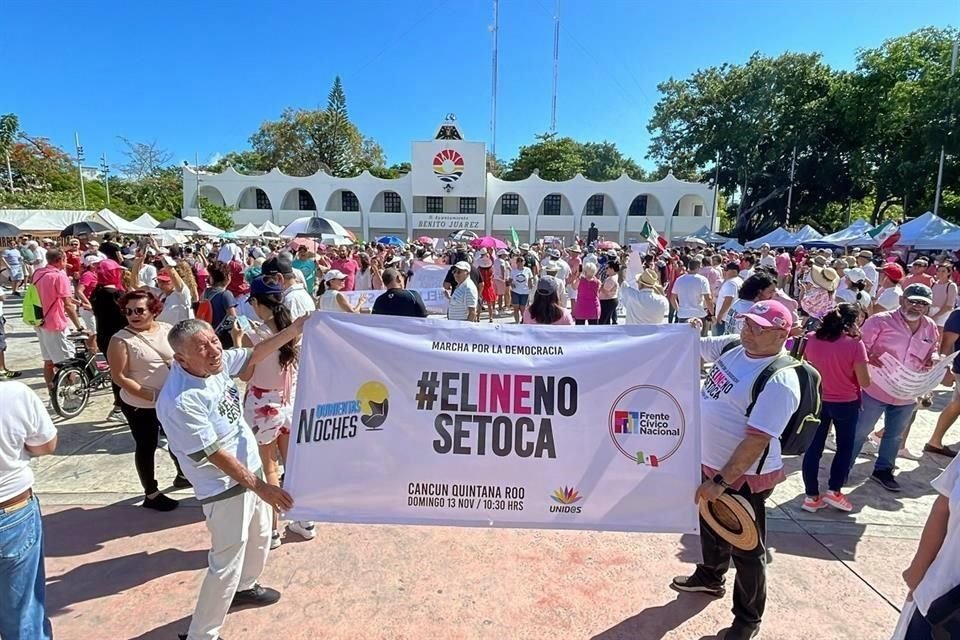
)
(940, 451)
(160, 503)
(694, 584)
(885, 478)
(741, 632)
(183, 636)
(258, 596)
(181, 482)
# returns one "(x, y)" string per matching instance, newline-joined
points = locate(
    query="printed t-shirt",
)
(202, 416)
(727, 392)
(521, 280)
(835, 361)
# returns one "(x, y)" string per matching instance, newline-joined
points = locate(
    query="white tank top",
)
(328, 301)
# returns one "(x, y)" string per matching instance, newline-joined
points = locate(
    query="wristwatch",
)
(718, 479)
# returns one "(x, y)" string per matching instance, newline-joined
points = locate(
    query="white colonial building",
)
(448, 189)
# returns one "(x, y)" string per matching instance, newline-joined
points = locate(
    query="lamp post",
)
(936, 197)
(105, 171)
(83, 193)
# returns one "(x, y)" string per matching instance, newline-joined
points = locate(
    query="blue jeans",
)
(843, 416)
(22, 579)
(896, 419)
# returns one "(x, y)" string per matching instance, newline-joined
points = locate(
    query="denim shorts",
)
(519, 299)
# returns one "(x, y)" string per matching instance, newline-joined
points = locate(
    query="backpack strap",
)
(780, 363)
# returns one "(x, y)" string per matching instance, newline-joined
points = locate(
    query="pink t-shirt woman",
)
(565, 318)
(587, 305)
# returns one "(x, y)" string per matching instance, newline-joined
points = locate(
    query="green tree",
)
(217, 215)
(9, 127)
(556, 159)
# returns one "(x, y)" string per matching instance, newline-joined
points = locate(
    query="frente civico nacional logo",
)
(646, 425)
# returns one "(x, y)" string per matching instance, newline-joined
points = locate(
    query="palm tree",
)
(9, 126)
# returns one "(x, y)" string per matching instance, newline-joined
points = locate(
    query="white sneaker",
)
(908, 455)
(275, 540)
(305, 529)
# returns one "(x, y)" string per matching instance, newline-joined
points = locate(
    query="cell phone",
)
(244, 323)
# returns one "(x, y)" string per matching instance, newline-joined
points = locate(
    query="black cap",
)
(275, 266)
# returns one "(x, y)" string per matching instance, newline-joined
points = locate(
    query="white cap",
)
(334, 274)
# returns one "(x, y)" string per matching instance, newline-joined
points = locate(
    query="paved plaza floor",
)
(117, 571)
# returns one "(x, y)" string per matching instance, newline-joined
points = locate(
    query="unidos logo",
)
(448, 165)
(566, 499)
(374, 404)
(646, 425)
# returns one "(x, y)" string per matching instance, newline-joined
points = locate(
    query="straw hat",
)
(648, 278)
(732, 518)
(826, 278)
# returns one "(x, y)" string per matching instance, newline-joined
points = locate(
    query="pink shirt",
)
(835, 361)
(88, 282)
(783, 264)
(587, 306)
(923, 278)
(888, 332)
(348, 267)
(53, 285)
(714, 277)
(566, 318)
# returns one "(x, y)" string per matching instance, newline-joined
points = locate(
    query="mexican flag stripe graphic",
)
(651, 235)
(885, 235)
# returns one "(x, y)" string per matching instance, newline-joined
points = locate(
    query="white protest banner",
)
(427, 275)
(409, 421)
(435, 300)
(635, 265)
(901, 382)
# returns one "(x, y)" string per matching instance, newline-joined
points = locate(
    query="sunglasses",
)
(129, 311)
(918, 303)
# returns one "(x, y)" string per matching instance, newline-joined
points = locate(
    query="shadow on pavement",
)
(656, 622)
(77, 531)
(168, 631)
(109, 577)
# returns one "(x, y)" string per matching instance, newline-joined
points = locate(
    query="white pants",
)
(240, 530)
(89, 321)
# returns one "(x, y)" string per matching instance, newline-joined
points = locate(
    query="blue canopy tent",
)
(391, 241)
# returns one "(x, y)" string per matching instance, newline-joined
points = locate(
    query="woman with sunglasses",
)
(140, 358)
(331, 298)
(944, 295)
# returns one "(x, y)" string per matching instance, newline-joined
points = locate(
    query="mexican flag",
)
(516, 238)
(650, 234)
(885, 235)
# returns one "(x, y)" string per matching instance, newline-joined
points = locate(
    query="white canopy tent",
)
(732, 245)
(949, 241)
(805, 235)
(269, 227)
(923, 228)
(779, 237)
(121, 225)
(45, 221)
(854, 235)
(708, 236)
(246, 232)
(205, 228)
(146, 221)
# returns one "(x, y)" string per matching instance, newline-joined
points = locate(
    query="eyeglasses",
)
(918, 303)
(129, 311)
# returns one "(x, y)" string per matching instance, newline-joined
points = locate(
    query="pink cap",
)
(770, 313)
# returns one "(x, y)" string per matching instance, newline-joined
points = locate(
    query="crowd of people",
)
(178, 324)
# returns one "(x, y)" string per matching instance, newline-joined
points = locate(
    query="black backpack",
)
(802, 425)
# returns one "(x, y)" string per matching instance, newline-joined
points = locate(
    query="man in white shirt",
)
(865, 262)
(646, 304)
(733, 448)
(888, 298)
(690, 295)
(295, 296)
(562, 268)
(201, 411)
(748, 271)
(26, 432)
(728, 294)
(464, 299)
(767, 259)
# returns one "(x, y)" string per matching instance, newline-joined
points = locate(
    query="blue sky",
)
(200, 77)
